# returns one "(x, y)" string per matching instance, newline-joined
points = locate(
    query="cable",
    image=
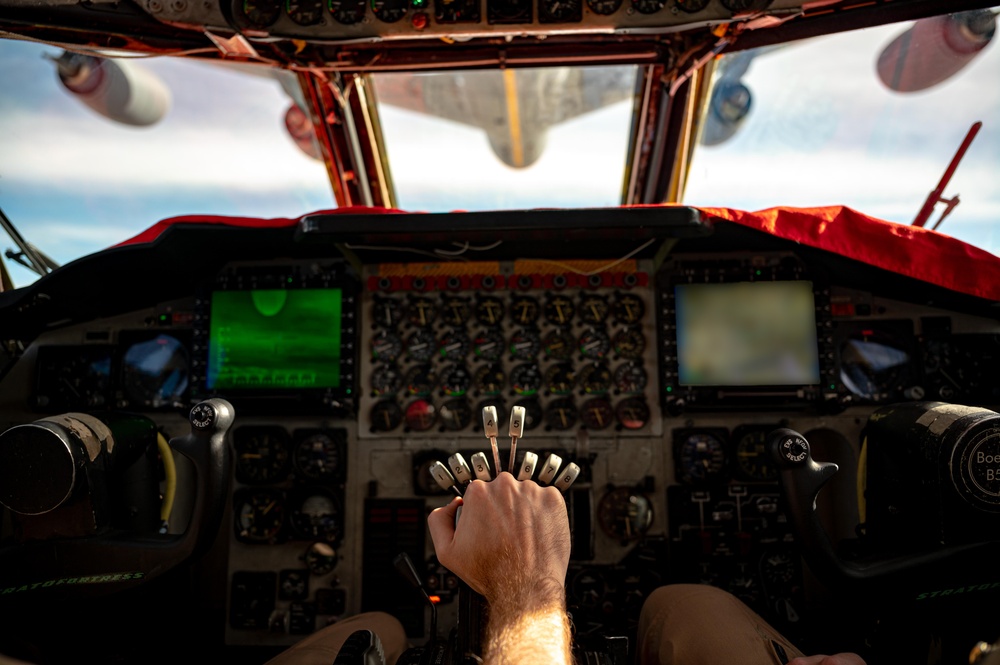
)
(608, 266)
(170, 475)
(396, 249)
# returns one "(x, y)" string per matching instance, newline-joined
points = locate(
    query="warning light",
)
(419, 4)
(758, 273)
(420, 19)
(670, 389)
(435, 599)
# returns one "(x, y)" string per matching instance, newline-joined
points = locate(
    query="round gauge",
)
(648, 6)
(260, 13)
(454, 345)
(320, 558)
(421, 311)
(489, 311)
(873, 366)
(630, 378)
(560, 379)
(597, 413)
(490, 379)
(259, 515)
(261, 454)
(632, 413)
(387, 312)
(293, 585)
(420, 415)
(525, 344)
(389, 11)
(304, 12)
(559, 310)
(477, 422)
(561, 414)
(751, 454)
(525, 379)
(420, 380)
(385, 416)
(691, 6)
(559, 344)
(953, 370)
(559, 11)
(595, 379)
(348, 12)
(457, 11)
(155, 372)
(455, 311)
(386, 346)
(386, 380)
(524, 310)
(73, 378)
(777, 568)
(629, 343)
(532, 412)
(488, 344)
(420, 345)
(316, 516)
(624, 514)
(589, 588)
(455, 380)
(594, 343)
(628, 307)
(317, 457)
(455, 415)
(594, 309)
(604, 7)
(701, 457)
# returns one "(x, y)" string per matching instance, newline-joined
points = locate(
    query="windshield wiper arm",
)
(30, 256)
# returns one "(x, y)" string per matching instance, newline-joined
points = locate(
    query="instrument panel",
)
(349, 381)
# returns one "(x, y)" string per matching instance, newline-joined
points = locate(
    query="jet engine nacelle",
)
(120, 90)
(728, 107)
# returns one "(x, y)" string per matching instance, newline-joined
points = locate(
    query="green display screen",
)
(274, 339)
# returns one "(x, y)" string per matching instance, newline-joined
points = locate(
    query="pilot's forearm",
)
(530, 627)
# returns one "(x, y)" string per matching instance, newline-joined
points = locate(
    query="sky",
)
(822, 131)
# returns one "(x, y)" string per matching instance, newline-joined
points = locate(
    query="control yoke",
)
(802, 478)
(111, 558)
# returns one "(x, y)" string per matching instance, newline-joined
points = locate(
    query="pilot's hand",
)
(836, 659)
(512, 539)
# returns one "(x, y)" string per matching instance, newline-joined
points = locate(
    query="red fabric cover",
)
(908, 250)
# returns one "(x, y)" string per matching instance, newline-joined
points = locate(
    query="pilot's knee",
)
(691, 599)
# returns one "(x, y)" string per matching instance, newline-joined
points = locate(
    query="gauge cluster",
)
(575, 350)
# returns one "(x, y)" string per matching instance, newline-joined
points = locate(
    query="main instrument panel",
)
(658, 375)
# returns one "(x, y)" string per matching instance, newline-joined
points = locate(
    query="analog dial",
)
(701, 456)
(155, 372)
(420, 380)
(489, 311)
(348, 12)
(261, 13)
(597, 413)
(389, 11)
(594, 343)
(630, 378)
(561, 414)
(628, 307)
(316, 516)
(455, 415)
(420, 415)
(525, 344)
(259, 515)
(525, 379)
(420, 345)
(318, 457)
(421, 311)
(595, 379)
(456, 11)
(305, 12)
(629, 343)
(320, 558)
(692, 6)
(262, 454)
(455, 380)
(488, 344)
(454, 345)
(559, 344)
(386, 346)
(386, 380)
(624, 514)
(632, 413)
(490, 379)
(386, 416)
(455, 311)
(751, 454)
(560, 379)
(604, 7)
(559, 310)
(560, 11)
(594, 309)
(524, 310)
(387, 312)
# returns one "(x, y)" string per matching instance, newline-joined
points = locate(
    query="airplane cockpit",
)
(281, 277)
